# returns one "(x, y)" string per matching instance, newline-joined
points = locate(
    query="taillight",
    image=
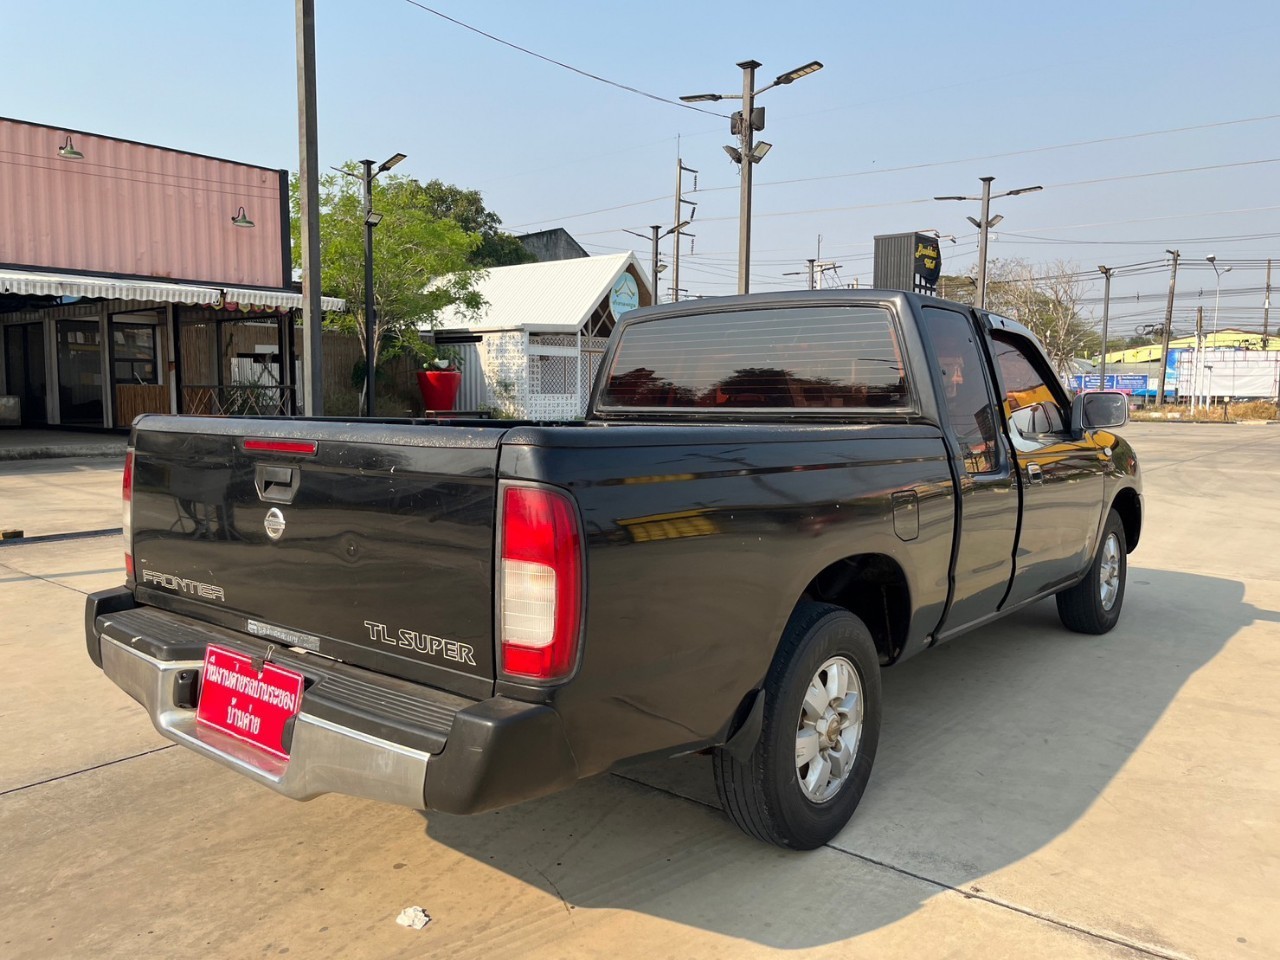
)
(126, 496)
(541, 583)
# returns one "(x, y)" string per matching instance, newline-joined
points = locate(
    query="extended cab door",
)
(1060, 476)
(987, 488)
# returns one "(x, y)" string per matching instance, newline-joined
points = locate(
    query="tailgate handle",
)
(276, 484)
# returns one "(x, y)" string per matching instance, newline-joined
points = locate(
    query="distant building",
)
(554, 244)
(139, 279)
(542, 333)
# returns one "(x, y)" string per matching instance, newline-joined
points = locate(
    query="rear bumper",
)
(358, 733)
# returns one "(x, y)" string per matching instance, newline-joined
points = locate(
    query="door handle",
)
(1034, 473)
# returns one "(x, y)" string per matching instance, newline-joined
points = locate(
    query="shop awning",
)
(28, 283)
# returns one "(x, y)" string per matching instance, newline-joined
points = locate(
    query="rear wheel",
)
(1093, 605)
(812, 761)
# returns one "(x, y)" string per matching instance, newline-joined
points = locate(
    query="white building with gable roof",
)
(542, 333)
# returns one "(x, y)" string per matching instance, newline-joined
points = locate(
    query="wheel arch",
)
(874, 588)
(1128, 505)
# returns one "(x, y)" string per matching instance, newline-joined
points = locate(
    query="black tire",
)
(1082, 608)
(763, 794)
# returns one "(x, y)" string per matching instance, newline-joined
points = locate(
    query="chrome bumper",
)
(323, 757)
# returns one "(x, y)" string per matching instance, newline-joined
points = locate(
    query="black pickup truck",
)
(771, 498)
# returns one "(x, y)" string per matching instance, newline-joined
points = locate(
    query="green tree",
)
(422, 262)
(466, 208)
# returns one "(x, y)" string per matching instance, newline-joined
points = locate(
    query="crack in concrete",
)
(76, 773)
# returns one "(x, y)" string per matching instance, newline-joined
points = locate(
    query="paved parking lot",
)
(1036, 794)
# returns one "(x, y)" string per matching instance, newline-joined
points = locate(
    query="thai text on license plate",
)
(246, 703)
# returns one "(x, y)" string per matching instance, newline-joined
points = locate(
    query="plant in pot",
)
(439, 379)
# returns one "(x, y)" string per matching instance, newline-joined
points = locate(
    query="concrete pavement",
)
(1036, 794)
(44, 497)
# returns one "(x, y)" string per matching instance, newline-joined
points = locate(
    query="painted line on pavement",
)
(54, 537)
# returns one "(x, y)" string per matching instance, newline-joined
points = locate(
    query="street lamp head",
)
(390, 162)
(994, 220)
(759, 150)
(373, 219)
(702, 98)
(953, 198)
(683, 223)
(975, 222)
(1021, 190)
(793, 75)
(734, 153)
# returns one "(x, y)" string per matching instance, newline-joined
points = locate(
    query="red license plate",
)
(248, 704)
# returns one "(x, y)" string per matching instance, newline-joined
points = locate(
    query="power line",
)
(583, 73)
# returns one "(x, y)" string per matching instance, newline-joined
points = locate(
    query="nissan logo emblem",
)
(274, 524)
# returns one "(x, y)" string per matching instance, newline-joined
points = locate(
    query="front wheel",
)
(1093, 604)
(812, 761)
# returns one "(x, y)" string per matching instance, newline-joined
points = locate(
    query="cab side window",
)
(1030, 402)
(965, 394)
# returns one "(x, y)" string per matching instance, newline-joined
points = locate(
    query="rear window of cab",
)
(781, 359)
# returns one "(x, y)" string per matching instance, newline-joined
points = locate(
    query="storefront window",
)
(134, 353)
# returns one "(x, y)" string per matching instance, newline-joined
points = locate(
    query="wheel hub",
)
(1109, 572)
(829, 729)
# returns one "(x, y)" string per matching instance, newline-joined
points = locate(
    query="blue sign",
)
(624, 296)
(1124, 382)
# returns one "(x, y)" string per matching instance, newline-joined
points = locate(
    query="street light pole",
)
(654, 240)
(983, 229)
(744, 124)
(366, 177)
(1217, 294)
(746, 136)
(370, 321)
(984, 225)
(1106, 308)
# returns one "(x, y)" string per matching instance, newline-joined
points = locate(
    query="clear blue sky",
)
(904, 84)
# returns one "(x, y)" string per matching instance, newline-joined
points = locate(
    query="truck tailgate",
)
(375, 549)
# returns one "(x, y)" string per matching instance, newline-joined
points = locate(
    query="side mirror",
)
(1099, 410)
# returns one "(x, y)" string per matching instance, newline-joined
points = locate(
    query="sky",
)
(951, 92)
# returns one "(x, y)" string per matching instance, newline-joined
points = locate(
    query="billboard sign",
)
(1130, 383)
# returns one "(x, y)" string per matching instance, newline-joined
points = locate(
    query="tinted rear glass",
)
(811, 357)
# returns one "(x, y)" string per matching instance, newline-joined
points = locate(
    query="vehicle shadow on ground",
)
(991, 747)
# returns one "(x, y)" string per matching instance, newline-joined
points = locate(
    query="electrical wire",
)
(558, 63)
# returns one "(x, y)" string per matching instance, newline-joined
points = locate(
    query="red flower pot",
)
(439, 388)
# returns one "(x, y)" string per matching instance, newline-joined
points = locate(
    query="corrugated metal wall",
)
(138, 210)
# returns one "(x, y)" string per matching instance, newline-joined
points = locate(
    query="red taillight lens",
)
(541, 576)
(126, 497)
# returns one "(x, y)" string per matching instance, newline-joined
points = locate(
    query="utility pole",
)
(1106, 309)
(1168, 325)
(1266, 311)
(680, 224)
(984, 226)
(812, 261)
(309, 197)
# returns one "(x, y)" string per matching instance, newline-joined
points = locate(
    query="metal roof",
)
(25, 283)
(555, 297)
